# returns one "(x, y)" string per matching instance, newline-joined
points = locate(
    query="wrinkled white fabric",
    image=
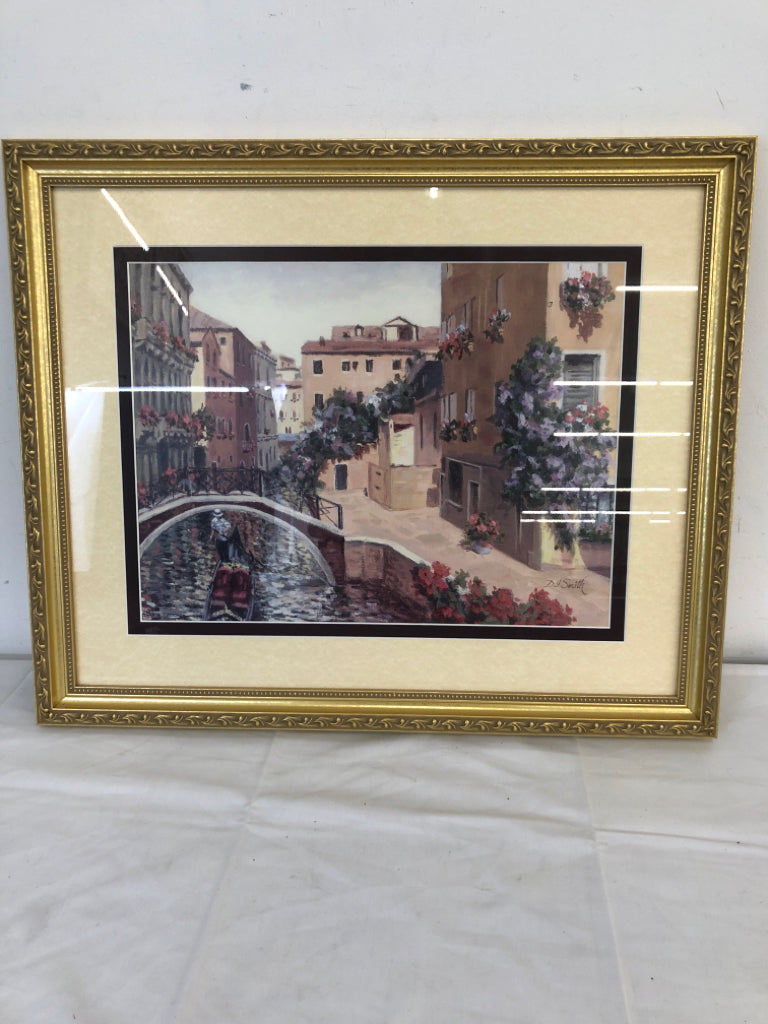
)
(181, 877)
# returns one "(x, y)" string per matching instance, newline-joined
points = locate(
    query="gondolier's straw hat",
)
(217, 512)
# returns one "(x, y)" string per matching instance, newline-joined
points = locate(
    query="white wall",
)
(398, 68)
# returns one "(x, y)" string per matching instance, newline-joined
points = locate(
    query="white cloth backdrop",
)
(189, 877)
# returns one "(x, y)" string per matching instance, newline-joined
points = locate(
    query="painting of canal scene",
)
(416, 441)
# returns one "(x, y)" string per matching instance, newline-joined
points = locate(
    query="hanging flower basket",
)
(161, 332)
(459, 430)
(457, 344)
(583, 299)
(496, 321)
(148, 416)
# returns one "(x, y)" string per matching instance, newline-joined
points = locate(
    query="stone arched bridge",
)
(326, 538)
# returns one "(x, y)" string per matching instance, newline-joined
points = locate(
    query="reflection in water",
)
(293, 584)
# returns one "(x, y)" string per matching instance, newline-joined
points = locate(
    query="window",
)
(317, 366)
(469, 403)
(369, 366)
(222, 340)
(345, 366)
(583, 368)
(360, 397)
(500, 292)
(468, 315)
(473, 505)
(448, 406)
(319, 401)
(355, 364)
(455, 481)
(358, 331)
(397, 364)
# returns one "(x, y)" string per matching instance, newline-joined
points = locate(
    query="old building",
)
(264, 373)
(289, 405)
(471, 474)
(288, 394)
(237, 377)
(163, 362)
(406, 472)
(216, 389)
(359, 359)
(287, 368)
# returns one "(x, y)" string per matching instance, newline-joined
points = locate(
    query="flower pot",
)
(597, 556)
(480, 548)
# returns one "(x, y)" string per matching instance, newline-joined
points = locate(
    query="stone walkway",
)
(425, 535)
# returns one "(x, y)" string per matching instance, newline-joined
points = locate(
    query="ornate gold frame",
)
(723, 167)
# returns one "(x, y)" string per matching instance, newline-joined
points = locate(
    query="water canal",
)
(293, 583)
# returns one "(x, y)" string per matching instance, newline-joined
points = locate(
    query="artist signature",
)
(567, 583)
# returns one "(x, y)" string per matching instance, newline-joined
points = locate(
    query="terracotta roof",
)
(345, 332)
(199, 321)
(341, 332)
(364, 347)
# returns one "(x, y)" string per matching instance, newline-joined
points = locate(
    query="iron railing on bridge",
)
(324, 508)
(210, 480)
(239, 480)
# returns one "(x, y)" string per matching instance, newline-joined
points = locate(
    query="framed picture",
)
(380, 435)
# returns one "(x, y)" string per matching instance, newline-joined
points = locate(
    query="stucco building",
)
(264, 370)
(236, 376)
(289, 405)
(406, 472)
(162, 363)
(358, 359)
(471, 477)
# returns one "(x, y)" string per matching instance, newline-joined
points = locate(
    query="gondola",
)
(232, 591)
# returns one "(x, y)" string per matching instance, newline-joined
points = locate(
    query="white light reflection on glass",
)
(626, 383)
(171, 289)
(196, 388)
(570, 512)
(657, 287)
(116, 207)
(622, 433)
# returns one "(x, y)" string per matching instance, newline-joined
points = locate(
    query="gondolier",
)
(221, 530)
(232, 590)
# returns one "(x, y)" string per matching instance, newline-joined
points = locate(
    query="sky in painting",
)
(286, 304)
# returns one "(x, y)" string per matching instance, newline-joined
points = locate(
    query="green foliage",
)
(550, 450)
(344, 429)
